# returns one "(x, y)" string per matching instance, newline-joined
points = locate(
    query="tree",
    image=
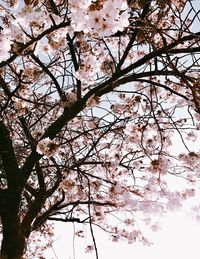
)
(92, 94)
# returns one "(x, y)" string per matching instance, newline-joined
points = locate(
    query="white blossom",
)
(68, 99)
(47, 147)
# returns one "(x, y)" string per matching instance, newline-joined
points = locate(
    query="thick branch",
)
(8, 158)
(34, 40)
(42, 218)
(159, 52)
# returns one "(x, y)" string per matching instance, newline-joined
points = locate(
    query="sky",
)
(178, 238)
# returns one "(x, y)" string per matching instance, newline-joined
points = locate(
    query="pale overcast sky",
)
(178, 238)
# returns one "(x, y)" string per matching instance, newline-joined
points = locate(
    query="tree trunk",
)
(14, 242)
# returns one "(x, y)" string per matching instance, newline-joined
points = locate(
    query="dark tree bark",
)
(13, 243)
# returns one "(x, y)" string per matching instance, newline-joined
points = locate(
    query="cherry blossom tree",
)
(92, 96)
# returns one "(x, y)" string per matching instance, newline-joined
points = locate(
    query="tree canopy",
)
(94, 97)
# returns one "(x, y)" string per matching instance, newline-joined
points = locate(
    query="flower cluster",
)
(103, 18)
(47, 147)
(68, 99)
(5, 47)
